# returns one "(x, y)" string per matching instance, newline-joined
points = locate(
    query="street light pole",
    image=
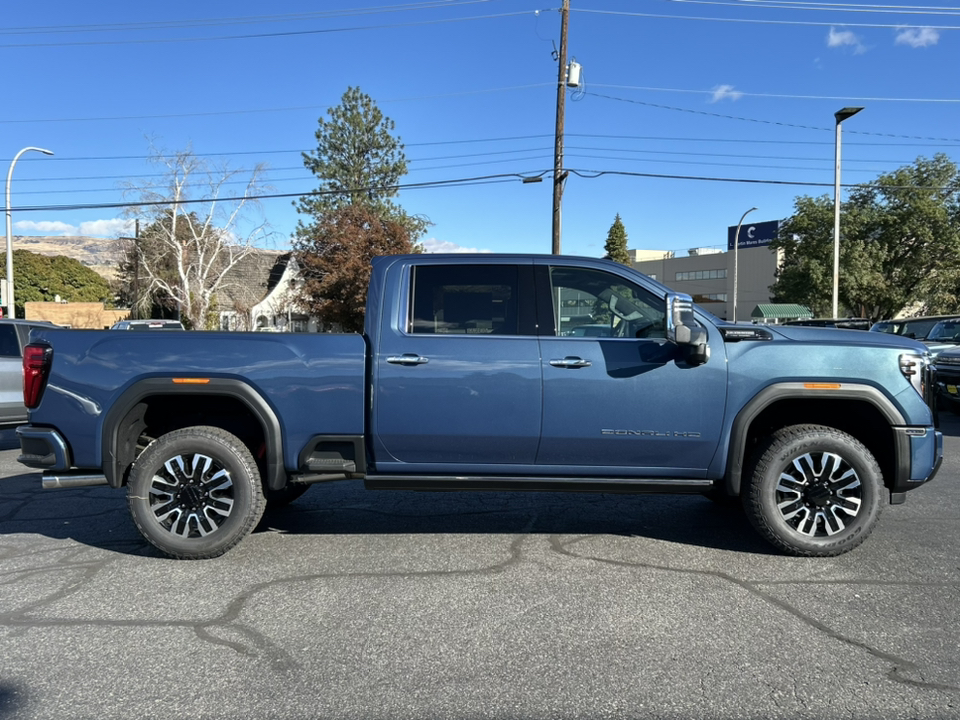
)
(840, 116)
(736, 243)
(10, 305)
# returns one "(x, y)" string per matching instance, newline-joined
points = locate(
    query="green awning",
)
(781, 311)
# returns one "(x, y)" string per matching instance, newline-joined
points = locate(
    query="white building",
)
(258, 295)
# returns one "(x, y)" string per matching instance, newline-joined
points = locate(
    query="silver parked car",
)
(14, 334)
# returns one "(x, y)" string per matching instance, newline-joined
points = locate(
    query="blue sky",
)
(690, 112)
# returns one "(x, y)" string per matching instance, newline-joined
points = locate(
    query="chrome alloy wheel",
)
(191, 495)
(819, 494)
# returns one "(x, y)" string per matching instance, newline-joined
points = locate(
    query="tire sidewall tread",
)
(775, 453)
(226, 449)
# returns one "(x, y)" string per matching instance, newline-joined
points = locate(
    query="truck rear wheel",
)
(195, 493)
(813, 491)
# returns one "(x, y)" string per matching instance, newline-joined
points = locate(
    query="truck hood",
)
(936, 346)
(836, 336)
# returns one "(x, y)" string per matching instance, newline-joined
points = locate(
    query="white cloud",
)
(95, 228)
(107, 228)
(433, 245)
(725, 92)
(917, 37)
(842, 38)
(46, 227)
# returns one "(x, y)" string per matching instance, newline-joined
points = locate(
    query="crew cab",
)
(468, 376)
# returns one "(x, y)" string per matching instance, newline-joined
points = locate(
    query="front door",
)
(617, 397)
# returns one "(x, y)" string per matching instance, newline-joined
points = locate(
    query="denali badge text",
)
(650, 433)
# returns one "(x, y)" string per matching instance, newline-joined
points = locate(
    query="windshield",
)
(945, 331)
(887, 327)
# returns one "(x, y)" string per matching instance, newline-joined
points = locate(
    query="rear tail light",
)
(37, 359)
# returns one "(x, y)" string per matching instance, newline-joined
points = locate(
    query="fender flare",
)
(803, 391)
(110, 430)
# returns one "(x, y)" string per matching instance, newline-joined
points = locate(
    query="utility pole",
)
(558, 174)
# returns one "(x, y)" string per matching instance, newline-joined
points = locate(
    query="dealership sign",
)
(753, 234)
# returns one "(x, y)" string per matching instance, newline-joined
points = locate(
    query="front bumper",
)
(920, 454)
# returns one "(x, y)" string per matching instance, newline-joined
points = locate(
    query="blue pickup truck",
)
(471, 375)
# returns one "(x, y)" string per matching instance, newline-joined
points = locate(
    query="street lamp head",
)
(45, 152)
(845, 113)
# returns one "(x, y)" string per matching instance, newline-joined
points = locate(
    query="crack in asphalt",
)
(253, 643)
(258, 645)
(896, 673)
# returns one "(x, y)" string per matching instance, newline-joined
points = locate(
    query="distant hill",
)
(99, 254)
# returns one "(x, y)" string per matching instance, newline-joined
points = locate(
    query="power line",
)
(243, 20)
(758, 120)
(627, 151)
(940, 142)
(268, 110)
(832, 7)
(476, 180)
(739, 93)
(754, 21)
(253, 36)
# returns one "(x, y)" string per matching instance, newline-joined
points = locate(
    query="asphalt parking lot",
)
(356, 604)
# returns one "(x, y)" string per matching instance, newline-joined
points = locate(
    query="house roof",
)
(252, 279)
(781, 311)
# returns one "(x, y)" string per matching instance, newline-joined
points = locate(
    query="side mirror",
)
(684, 330)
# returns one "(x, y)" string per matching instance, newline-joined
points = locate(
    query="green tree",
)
(334, 261)
(616, 246)
(351, 217)
(358, 161)
(41, 278)
(899, 245)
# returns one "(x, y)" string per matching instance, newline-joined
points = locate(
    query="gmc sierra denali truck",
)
(471, 374)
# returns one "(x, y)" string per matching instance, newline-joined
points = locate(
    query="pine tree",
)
(351, 218)
(616, 246)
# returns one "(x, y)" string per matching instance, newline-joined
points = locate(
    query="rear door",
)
(457, 370)
(621, 400)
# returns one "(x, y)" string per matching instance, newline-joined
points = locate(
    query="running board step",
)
(330, 465)
(607, 485)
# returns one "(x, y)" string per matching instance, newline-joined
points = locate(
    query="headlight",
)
(917, 369)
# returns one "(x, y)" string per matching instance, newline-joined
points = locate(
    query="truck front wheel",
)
(195, 493)
(813, 491)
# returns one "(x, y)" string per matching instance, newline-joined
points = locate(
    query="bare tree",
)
(195, 233)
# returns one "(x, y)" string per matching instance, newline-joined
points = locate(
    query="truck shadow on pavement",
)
(98, 517)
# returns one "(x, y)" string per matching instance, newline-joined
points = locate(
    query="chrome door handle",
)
(408, 359)
(571, 362)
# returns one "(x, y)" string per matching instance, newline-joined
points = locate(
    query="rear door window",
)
(9, 346)
(465, 300)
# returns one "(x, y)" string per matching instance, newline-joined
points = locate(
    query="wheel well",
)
(157, 415)
(857, 418)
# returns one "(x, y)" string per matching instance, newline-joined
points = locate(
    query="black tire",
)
(813, 491)
(195, 493)
(285, 495)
